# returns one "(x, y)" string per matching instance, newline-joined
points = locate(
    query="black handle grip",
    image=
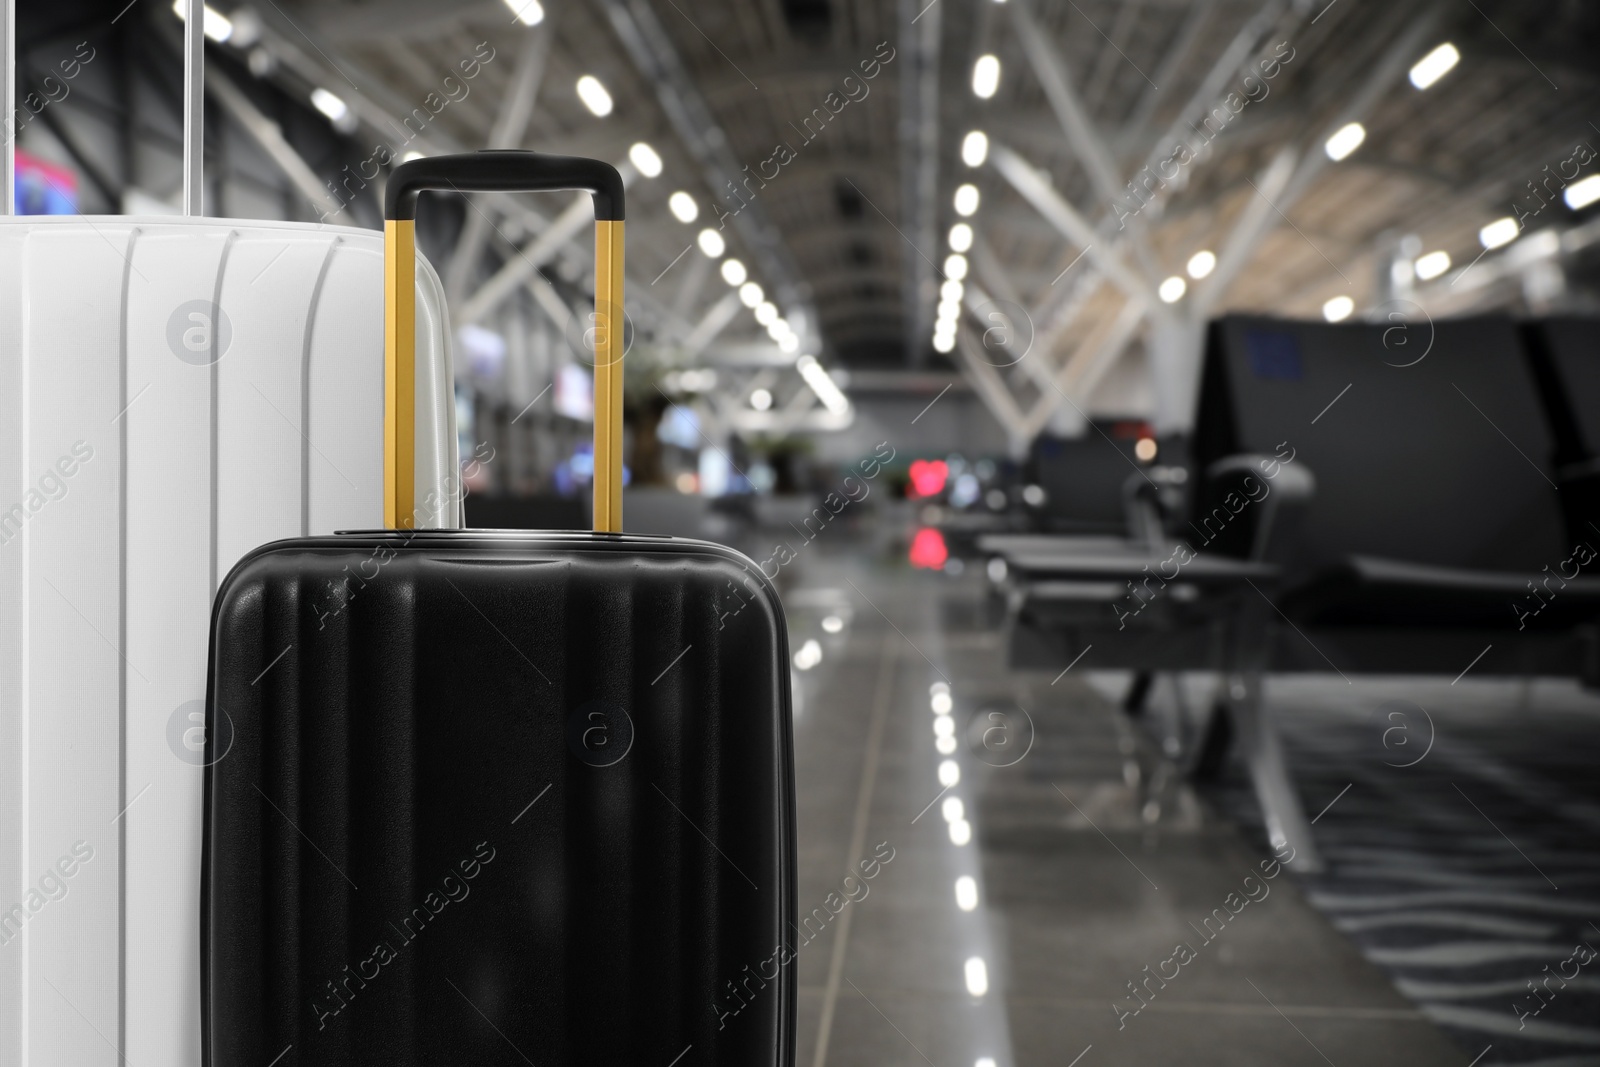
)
(504, 171)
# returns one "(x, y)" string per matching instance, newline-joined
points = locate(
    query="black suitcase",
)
(483, 797)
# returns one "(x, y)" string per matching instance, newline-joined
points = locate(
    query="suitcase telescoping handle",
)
(498, 171)
(194, 78)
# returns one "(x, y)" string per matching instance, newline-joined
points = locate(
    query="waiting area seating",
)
(1367, 497)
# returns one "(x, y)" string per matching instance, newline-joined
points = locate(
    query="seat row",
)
(1416, 497)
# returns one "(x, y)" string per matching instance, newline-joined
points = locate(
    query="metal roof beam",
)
(702, 136)
(510, 126)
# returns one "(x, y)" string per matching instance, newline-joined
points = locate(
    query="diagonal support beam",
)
(1259, 219)
(990, 274)
(649, 46)
(1066, 219)
(712, 323)
(1050, 67)
(1241, 50)
(510, 126)
(1250, 227)
(1177, 55)
(695, 276)
(266, 133)
(1080, 373)
(521, 268)
(991, 389)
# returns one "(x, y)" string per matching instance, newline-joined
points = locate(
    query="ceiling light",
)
(952, 808)
(942, 343)
(528, 12)
(944, 726)
(761, 399)
(733, 272)
(975, 148)
(789, 342)
(766, 313)
(1432, 265)
(329, 104)
(960, 832)
(751, 295)
(1338, 309)
(1580, 195)
(594, 95)
(977, 974)
(955, 266)
(960, 237)
(952, 290)
(822, 384)
(645, 159)
(711, 243)
(939, 687)
(1345, 140)
(409, 156)
(832, 624)
(1201, 264)
(1435, 65)
(1144, 450)
(776, 330)
(949, 773)
(986, 76)
(214, 24)
(949, 310)
(941, 702)
(966, 892)
(683, 207)
(966, 200)
(1499, 232)
(338, 112)
(1172, 289)
(810, 654)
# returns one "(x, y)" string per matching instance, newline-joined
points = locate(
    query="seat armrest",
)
(1252, 505)
(1150, 499)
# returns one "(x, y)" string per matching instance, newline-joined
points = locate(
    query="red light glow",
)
(928, 476)
(928, 549)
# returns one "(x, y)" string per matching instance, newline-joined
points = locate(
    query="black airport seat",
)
(1082, 480)
(1436, 529)
(1565, 354)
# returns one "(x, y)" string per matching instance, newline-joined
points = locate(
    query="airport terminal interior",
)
(1162, 438)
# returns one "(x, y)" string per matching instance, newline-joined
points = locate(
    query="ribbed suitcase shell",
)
(106, 575)
(429, 701)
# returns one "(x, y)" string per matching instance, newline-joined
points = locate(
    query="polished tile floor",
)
(1090, 863)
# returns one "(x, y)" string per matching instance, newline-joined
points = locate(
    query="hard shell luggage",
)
(497, 797)
(173, 392)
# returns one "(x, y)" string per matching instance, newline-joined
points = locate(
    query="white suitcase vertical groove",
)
(124, 400)
(171, 513)
(216, 385)
(270, 295)
(73, 673)
(305, 388)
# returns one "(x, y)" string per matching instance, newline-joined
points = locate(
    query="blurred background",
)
(1174, 428)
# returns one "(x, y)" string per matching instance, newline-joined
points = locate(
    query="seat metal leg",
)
(1138, 693)
(1269, 773)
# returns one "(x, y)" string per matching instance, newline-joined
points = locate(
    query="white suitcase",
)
(173, 392)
